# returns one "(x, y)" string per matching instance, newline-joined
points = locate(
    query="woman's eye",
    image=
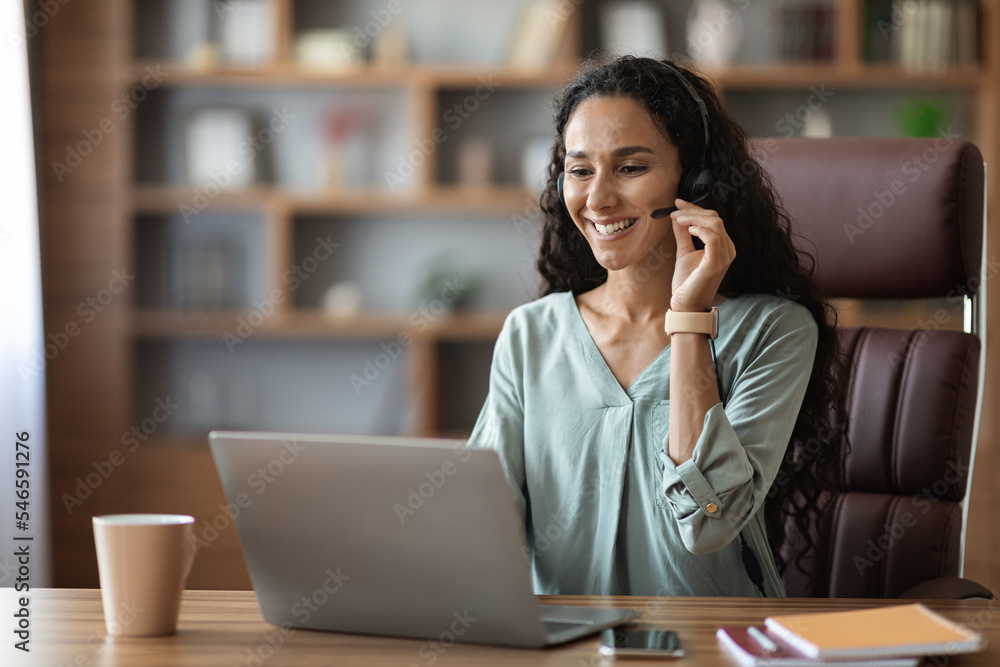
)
(578, 172)
(633, 169)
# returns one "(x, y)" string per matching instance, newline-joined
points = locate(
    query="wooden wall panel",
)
(84, 232)
(87, 237)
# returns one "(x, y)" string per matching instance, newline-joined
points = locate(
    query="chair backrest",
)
(892, 219)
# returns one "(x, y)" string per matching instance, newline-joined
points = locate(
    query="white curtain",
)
(22, 391)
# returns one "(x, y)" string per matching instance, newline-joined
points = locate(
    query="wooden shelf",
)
(151, 199)
(154, 199)
(439, 199)
(739, 76)
(881, 76)
(461, 76)
(779, 76)
(365, 76)
(299, 324)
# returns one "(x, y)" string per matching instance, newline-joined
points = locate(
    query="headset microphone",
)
(664, 212)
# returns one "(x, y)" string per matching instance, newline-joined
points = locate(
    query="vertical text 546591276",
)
(22, 540)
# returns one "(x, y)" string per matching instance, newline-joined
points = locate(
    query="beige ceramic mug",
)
(143, 561)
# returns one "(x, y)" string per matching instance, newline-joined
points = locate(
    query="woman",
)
(640, 466)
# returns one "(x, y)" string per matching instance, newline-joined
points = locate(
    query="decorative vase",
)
(714, 32)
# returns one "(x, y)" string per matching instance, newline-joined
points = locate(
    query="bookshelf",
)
(433, 107)
(124, 208)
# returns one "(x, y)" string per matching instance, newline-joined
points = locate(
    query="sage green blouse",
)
(606, 510)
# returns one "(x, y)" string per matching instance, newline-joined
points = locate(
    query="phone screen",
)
(623, 641)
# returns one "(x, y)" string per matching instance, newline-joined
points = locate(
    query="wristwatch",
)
(702, 323)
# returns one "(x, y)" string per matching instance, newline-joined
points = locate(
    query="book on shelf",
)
(639, 27)
(215, 139)
(922, 35)
(538, 33)
(881, 632)
(246, 31)
(204, 275)
(805, 32)
(759, 647)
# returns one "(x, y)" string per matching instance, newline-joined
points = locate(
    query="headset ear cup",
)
(559, 187)
(696, 185)
(684, 186)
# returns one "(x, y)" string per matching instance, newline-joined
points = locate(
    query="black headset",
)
(696, 184)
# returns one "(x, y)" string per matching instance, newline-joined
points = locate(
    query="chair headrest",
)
(885, 218)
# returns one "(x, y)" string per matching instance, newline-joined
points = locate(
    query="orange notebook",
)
(881, 632)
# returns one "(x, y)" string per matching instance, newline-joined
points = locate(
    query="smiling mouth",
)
(614, 227)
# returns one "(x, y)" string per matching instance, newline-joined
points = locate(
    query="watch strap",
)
(685, 322)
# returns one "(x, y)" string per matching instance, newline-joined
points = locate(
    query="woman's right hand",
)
(698, 273)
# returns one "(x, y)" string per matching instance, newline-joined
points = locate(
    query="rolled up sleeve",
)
(713, 494)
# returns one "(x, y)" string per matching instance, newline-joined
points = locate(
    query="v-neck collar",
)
(594, 351)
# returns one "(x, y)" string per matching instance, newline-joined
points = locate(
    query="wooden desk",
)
(223, 628)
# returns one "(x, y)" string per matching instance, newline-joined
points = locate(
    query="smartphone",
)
(629, 642)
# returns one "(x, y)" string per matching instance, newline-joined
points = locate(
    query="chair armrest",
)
(947, 588)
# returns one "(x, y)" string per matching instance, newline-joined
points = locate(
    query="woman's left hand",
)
(698, 273)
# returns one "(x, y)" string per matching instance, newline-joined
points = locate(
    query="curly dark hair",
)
(767, 262)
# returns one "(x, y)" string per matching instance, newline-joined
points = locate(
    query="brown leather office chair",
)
(894, 219)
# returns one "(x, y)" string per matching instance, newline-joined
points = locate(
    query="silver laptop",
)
(405, 537)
